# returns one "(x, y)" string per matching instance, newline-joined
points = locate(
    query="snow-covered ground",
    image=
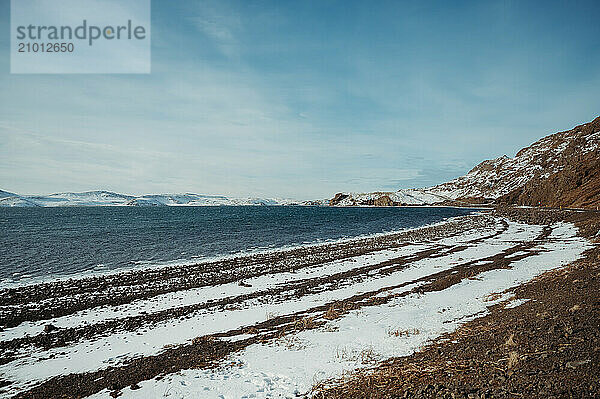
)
(293, 364)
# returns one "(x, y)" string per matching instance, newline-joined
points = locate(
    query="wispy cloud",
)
(221, 23)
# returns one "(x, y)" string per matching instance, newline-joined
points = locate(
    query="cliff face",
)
(562, 169)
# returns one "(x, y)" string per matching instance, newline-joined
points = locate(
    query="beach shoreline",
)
(262, 300)
(546, 347)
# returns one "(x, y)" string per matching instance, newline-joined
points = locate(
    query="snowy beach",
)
(271, 324)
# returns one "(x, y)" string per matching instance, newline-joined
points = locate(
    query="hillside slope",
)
(558, 170)
(562, 169)
(576, 183)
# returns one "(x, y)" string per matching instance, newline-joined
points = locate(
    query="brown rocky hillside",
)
(577, 183)
(562, 169)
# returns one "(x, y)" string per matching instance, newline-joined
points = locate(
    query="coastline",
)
(276, 299)
(545, 347)
(285, 200)
(142, 266)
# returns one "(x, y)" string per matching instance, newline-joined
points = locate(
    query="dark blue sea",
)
(54, 242)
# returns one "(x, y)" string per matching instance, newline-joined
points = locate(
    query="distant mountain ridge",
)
(108, 198)
(562, 169)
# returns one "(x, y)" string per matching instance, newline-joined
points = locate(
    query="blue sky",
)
(304, 99)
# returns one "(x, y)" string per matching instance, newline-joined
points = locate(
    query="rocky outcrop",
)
(387, 198)
(384, 200)
(372, 199)
(338, 199)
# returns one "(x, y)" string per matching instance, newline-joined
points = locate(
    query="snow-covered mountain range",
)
(107, 198)
(560, 169)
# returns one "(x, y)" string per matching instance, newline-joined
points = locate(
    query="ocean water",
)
(39, 243)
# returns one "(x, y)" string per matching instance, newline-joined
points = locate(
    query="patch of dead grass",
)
(403, 333)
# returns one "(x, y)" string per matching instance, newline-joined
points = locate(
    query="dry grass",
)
(403, 333)
(203, 340)
(511, 340)
(364, 356)
(492, 297)
(332, 313)
(292, 342)
(306, 323)
(286, 336)
(575, 309)
(338, 309)
(513, 359)
(271, 315)
(368, 356)
(252, 330)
